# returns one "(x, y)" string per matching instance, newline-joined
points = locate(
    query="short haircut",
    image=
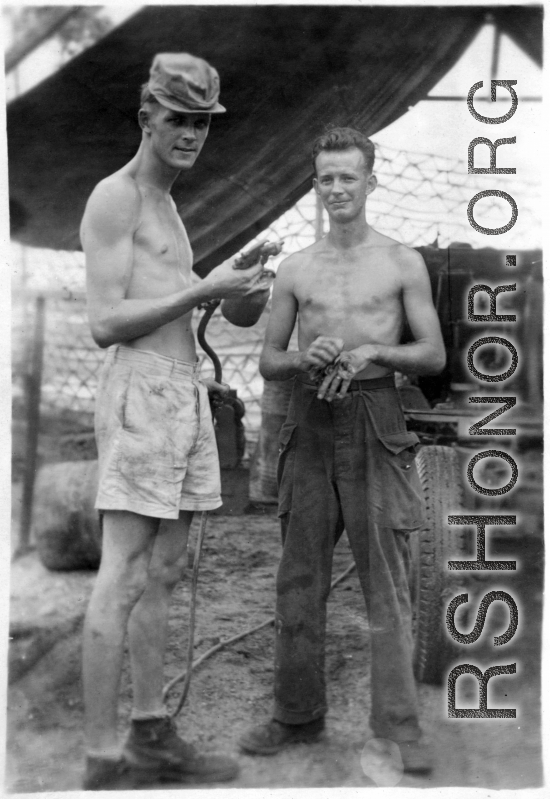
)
(343, 139)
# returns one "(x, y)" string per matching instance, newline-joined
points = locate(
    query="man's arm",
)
(424, 356)
(110, 221)
(275, 362)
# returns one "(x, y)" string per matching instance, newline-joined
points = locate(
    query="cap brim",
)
(175, 106)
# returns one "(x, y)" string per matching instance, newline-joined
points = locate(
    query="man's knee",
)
(169, 559)
(133, 582)
(167, 571)
(122, 583)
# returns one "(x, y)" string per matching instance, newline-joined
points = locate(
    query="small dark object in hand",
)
(318, 373)
(261, 252)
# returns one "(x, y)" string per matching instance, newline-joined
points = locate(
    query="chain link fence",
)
(421, 199)
(71, 360)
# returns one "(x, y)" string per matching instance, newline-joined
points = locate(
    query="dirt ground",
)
(233, 689)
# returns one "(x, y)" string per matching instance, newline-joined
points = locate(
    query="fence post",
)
(33, 388)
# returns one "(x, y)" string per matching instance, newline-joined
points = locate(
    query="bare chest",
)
(162, 252)
(347, 289)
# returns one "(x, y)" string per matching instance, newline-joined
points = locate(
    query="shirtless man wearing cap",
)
(347, 459)
(158, 460)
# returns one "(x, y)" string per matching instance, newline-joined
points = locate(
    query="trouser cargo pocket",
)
(399, 502)
(403, 445)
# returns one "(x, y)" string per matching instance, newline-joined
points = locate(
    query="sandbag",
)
(66, 527)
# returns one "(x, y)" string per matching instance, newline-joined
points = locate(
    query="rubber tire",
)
(432, 585)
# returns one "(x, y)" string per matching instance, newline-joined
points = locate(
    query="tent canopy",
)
(286, 72)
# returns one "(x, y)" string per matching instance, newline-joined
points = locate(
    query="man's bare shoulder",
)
(115, 202)
(287, 268)
(399, 253)
(410, 260)
(301, 258)
(410, 266)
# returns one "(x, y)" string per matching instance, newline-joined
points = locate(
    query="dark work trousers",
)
(347, 465)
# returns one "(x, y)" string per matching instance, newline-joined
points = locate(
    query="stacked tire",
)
(432, 584)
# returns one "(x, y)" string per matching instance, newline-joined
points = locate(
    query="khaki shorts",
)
(155, 437)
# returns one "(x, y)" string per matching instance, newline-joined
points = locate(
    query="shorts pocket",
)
(149, 400)
(150, 428)
(285, 466)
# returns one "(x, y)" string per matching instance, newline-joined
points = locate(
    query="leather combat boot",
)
(270, 738)
(155, 751)
(103, 774)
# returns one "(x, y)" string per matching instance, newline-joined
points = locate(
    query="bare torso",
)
(355, 295)
(162, 264)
